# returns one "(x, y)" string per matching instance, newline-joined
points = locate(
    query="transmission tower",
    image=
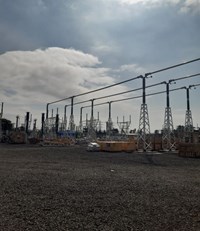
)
(188, 118)
(168, 137)
(144, 141)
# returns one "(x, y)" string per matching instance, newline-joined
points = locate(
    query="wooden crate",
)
(189, 150)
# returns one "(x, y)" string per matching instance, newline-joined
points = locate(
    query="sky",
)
(50, 50)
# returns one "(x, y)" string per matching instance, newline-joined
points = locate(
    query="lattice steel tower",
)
(144, 139)
(168, 137)
(188, 118)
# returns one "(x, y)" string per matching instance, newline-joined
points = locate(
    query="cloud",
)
(30, 79)
(149, 3)
(185, 6)
(191, 6)
(129, 37)
(134, 68)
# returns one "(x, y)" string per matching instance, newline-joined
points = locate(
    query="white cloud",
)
(149, 2)
(30, 79)
(185, 6)
(134, 68)
(191, 6)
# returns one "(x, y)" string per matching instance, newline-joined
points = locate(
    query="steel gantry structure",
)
(112, 95)
(168, 128)
(120, 100)
(188, 116)
(144, 126)
(168, 137)
(144, 141)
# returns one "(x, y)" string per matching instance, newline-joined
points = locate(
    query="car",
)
(93, 147)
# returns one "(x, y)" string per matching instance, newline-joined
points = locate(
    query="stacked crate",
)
(189, 150)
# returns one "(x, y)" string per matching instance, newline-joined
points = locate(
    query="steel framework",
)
(124, 125)
(144, 141)
(168, 137)
(188, 118)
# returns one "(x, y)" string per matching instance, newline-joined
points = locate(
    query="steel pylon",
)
(168, 137)
(188, 126)
(144, 139)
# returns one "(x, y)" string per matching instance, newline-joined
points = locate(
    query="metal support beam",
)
(65, 116)
(92, 125)
(57, 123)
(27, 121)
(109, 124)
(42, 128)
(124, 125)
(81, 119)
(71, 119)
(1, 116)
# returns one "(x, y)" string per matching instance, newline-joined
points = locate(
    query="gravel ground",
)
(68, 188)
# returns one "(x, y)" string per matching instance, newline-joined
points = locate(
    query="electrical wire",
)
(125, 81)
(152, 85)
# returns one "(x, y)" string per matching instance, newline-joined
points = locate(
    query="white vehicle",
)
(93, 147)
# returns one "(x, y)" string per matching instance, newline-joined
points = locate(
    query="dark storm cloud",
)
(118, 34)
(26, 24)
(125, 38)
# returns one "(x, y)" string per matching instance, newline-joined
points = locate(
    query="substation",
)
(59, 128)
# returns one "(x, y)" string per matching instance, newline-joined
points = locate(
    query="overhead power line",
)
(135, 97)
(125, 81)
(136, 89)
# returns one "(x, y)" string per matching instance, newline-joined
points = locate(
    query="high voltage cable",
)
(99, 89)
(153, 85)
(170, 67)
(136, 97)
(125, 81)
(185, 77)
